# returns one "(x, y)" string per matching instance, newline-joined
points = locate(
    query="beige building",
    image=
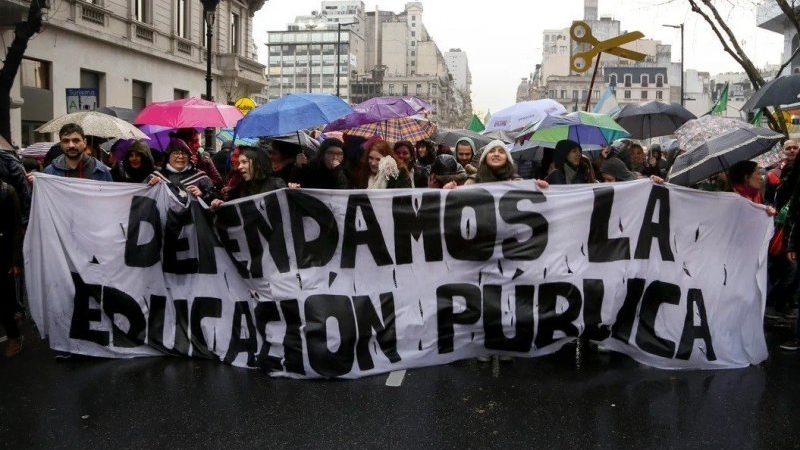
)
(132, 53)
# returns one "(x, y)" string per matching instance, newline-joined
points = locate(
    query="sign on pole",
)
(81, 99)
(244, 105)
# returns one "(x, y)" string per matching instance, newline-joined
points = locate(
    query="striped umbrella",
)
(37, 150)
(413, 128)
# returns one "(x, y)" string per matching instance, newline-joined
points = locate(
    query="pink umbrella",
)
(188, 113)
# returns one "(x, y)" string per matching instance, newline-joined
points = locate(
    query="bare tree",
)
(709, 12)
(23, 31)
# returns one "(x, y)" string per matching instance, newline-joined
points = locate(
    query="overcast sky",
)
(503, 38)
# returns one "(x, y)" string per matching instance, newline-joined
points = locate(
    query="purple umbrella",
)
(378, 109)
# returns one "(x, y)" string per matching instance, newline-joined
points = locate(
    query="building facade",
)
(380, 53)
(132, 52)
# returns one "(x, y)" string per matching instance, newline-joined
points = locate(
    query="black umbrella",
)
(651, 119)
(719, 153)
(780, 91)
(299, 140)
(450, 137)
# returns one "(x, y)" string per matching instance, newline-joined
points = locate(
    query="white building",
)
(133, 53)
(769, 16)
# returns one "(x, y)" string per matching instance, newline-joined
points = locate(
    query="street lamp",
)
(209, 13)
(339, 50)
(682, 75)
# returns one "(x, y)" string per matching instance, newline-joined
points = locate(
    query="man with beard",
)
(75, 163)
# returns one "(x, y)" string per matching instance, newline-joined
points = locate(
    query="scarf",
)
(748, 192)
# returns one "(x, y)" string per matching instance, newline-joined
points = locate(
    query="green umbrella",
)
(588, 129)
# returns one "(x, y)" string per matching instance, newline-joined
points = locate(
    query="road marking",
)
(395, 378)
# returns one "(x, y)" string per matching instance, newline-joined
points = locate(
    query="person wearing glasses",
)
(181, 175)
(326, 170)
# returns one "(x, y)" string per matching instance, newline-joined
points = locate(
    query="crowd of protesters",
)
(357, 163)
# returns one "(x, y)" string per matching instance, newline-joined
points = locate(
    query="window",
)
(413, 18)
(419, 89)
(612, 80)
(139, 94)
(644, 95)
(405, 89)
(235, 33)
(178, 94)
(391, 89)
(141, 10)
(659, 80)
(413, 33)
(645, 80)
(596, 95)
(659, 95)
(574, 94)
(90, 79)
(35, 73)
(627, 95)
(563, 93)
(627, 79)
(182, 19)
(413, 53)
(413, 24)
(413, 63)
(413, 43)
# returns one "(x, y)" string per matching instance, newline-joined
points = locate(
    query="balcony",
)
(13, 11)
(236, 66)
(769, 16)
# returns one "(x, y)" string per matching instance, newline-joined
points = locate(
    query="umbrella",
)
(523, 114)
(713, 144)
(291, 113)
(188, 113)
(378, 109)
(412, 129)
(646, 120)
(94, 124)
(160, 135)
(37, 150)
(226, 134)
(450, 137)
(591, 130)
(780, 91)
(307, 144)
(126, 114)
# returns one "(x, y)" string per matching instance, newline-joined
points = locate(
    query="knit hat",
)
(493, 144)
(176, 144)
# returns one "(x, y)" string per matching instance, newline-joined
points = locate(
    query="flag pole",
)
(591, 85)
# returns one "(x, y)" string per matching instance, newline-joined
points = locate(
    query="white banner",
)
(307, 283)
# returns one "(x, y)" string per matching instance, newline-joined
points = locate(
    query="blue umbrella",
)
(291, 113)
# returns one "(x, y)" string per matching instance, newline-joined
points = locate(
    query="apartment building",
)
(130, 53)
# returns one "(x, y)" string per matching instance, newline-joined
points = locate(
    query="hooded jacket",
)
(445, 168)
(564, 172)
(125, 173)
(262, 180)
(472, 166)
(89, 168)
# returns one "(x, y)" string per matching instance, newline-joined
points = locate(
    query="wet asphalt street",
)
(575, 399)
